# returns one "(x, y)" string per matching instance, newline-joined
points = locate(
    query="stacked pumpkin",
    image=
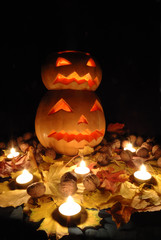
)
(70, 115)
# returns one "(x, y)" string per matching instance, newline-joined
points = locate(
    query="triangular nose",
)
(82, 119)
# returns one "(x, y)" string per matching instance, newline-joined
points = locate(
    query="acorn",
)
(142, 152)
(36, 189)
(126, 155)
(68, 188)
(68, 176)
(139, 141)
(91, 182)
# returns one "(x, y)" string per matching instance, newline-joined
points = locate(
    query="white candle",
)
(82, 169)
(130, 147)
(12, 153)
(142, 175)
(24, 178)
(69, 208)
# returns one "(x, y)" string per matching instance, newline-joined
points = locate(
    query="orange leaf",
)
(115, 127)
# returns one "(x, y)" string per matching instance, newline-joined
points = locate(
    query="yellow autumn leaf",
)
(13, 198)
(47, 159)
(91, 219)
(46, 212)
(128, 190)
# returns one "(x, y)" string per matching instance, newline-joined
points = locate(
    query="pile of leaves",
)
(117, 193)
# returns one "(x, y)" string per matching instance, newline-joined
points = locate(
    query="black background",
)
(123, 37)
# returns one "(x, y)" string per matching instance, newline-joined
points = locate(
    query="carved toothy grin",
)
(75, 135)
(74, 77)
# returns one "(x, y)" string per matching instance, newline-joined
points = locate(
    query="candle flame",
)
(12, 153)
(143, 168)
(129, 147)
(82, 164)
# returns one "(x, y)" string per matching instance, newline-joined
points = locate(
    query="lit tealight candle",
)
(82, 169)
(12, 154)
(24, 178)
(142, 175)
(129, 147)
(70, 207)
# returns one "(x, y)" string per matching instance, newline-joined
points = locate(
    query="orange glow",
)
(96, 106)
(74, 77)
(60, 105)
(91, 63)
(75, 135)
(62, 62)
(82, 119)
(73, 51)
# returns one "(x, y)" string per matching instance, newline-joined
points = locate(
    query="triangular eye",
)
(91, 63)
(96, 106)
(60, 105)
(62, 62)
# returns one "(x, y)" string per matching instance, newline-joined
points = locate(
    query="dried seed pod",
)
(50, 152)
(154, 148)
(147, 146)
(91, 182)
(126, 155)
(68, 188)
(102, 158)
(139, 141)
(132, 139)
(159, 162)
(36, 189)
(157, 153)
(142, 152)
(68, 176)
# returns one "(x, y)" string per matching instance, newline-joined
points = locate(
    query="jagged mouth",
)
(75, 135)
(74, 77)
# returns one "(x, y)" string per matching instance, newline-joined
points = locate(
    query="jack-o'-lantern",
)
(68, 120)
(71, 70)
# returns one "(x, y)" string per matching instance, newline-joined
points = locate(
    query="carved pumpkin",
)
(71, 70)
(68, 120)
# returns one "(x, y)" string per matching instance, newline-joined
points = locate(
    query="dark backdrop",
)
(124, 39)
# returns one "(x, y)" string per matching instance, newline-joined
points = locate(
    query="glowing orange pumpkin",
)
(68, 120)
(71, 70)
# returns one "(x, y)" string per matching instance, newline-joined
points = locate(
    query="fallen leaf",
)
(120, 214)
(13, 198)
(115, 127)
(92, 219)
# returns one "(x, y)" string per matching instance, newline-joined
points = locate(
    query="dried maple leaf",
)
(46, 212)
(110, 180)
(120, 214)
(115, 127)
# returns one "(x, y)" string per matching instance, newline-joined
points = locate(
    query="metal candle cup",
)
(142, 176)
(69, 208)
(24, 179)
